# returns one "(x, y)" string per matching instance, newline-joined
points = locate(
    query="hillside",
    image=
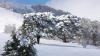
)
(23, 9)
(8, 17)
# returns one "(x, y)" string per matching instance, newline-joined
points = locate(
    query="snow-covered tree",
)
(11, 46)
(40, 23)
(20, 44)
(68, 26)
(64, 26)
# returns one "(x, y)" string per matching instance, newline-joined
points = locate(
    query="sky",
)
(82, 8)
(31, 1)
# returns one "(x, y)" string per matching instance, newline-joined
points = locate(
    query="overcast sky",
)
(82, 8)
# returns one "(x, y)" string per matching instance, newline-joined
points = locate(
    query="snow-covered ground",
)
(8, 17)
(57, 48)
(3, 38)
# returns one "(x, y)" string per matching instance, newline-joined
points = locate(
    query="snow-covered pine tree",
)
(40, 23)
(62, 27)
(67, 27)
(19, 45)
(26, 41)
(11, 46)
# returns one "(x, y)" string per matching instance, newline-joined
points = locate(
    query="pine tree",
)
(14, 47)
(26, 43)
(11, 46)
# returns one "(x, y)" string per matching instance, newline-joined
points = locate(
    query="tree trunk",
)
(64, 39)
(94, 39)
(78, 39)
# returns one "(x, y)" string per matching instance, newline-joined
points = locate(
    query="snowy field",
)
(57, 48)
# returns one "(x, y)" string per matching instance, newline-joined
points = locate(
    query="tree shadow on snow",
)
(57, 45)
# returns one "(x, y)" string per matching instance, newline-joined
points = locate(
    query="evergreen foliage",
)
(14, 47)
(62, 27)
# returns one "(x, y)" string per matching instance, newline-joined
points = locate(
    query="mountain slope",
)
(8, 17)
(41, 8)
(23, 9)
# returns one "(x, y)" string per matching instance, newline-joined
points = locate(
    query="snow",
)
(7, 17)
(46, 47)
(57, 48)
(3, 38)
